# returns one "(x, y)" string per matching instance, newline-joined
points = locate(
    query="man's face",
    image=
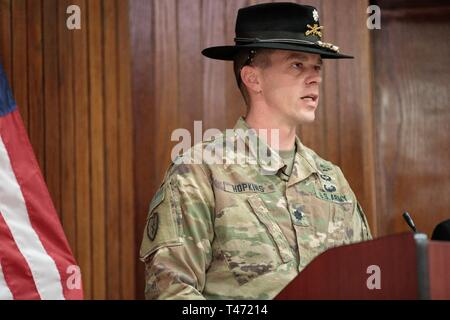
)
(290, 86)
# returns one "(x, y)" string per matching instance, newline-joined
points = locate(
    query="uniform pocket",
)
(278, 238)
(339, 225)
(252, 244)
(327, 226)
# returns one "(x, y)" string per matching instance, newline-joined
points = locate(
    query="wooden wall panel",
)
(5, 36)
(97, 146)
(412, 114)
(67, 128)
(36, 107)
(190, 64)
(165, 70)
(213, 33)
(143, 82)
(52, 123)
(127, 247)
(19, 51)
(110, 65)
(82, 149)
(74, 92)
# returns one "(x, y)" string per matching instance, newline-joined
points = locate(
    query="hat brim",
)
(228, 52)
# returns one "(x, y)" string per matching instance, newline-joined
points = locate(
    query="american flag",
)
(35, 258)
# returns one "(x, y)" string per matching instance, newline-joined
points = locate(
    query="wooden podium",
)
(410, 267)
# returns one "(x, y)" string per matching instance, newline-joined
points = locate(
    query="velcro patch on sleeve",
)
(160, 230)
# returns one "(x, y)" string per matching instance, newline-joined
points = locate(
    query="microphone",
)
(409, 221)
(442, 231)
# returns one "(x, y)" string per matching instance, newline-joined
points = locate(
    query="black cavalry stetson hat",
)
(282, 25)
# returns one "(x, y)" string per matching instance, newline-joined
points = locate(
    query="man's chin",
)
(306, 118)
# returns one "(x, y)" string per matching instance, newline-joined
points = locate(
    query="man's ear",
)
(250, 77)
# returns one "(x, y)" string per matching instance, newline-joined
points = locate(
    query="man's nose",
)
(314, 77)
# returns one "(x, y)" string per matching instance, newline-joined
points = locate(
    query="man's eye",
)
(298, 65)
(318, 68)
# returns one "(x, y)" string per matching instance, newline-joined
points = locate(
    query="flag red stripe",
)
(15, 269)
(41, 211)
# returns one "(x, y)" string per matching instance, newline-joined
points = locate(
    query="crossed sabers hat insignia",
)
(315, 30)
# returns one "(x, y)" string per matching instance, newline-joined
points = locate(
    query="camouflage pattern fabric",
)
(243, 231)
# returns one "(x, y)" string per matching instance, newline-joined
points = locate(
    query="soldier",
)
(244, 229)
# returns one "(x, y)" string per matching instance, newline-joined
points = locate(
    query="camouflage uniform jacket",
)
(235, 231)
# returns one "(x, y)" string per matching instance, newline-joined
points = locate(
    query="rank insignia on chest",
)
(298, 214)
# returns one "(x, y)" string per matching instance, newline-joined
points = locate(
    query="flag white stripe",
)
(14, 211)
(5, 293)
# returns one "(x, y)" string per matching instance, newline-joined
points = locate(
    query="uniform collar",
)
(304, 164)
(269, 164)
